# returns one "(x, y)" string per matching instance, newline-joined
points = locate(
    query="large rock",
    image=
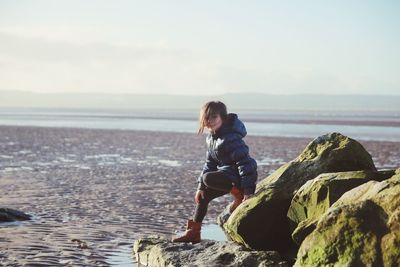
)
(261, 222)
(315, 197)
(10, 215)
(159, 252)
(362, 228)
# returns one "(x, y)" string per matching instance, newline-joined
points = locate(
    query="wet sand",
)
(92, 192)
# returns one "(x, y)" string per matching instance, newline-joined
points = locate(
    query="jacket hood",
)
(232, 124)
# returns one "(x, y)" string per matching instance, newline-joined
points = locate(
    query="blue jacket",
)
(227, 152)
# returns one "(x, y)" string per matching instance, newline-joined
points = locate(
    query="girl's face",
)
(214, 122)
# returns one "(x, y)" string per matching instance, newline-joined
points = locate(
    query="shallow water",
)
(183, 124)
(124, 257)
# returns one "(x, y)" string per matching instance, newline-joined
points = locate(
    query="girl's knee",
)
(217, 181)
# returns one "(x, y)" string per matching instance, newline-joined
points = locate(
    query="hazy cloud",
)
(39, 64)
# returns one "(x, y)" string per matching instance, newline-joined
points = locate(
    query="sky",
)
(200, 47)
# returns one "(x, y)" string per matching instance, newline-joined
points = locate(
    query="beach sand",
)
(92, 192)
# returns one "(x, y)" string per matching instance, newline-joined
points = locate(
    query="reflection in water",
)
(122, 258)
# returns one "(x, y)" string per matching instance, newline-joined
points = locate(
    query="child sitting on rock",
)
(228, 167)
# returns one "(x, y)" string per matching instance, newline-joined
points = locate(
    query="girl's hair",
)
(207, 110)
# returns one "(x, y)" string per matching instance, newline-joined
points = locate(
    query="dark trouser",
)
(217, 184)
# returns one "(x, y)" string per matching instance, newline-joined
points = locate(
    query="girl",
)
(228, 167)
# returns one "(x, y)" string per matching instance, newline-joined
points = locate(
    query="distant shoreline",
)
(360, 118)
(234, 101)
(358, 125)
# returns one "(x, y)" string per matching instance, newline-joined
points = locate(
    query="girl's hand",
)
(246, 197)
(199, 196)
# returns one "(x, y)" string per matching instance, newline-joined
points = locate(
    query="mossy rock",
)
(261, 222)
(362, 228)
(316, 196)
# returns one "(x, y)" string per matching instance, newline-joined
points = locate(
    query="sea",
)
(362, 125)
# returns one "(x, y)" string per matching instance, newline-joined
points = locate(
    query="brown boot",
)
(192, 233)
(238, 198)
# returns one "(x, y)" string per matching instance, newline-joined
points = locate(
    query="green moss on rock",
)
(261, 223)
(360, 229)
(316, 196)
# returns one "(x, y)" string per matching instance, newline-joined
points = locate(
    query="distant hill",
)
(250, 101)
